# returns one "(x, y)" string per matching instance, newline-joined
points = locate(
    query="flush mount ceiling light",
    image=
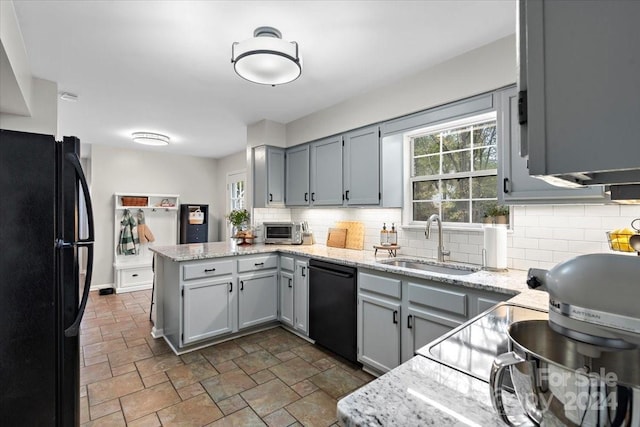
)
(150, 138)
(266, 58)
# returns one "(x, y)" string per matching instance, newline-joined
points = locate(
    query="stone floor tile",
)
(315, 410)
(133, 342)
(150, 420)
(157, 345)
(250, 347)
(111, 388)
(222, 352)
(309, 353)
(324, 364)
(102, 409)
(139, 332)
(194, 356)
(232, 404)
(304, 388)
(93, 373)
(282, 343)
(294, 370)
(84, 410)
(242, 418)
(154, 379)
(149, 400)
(113, 420)
(89, 361)
(336, 381)
(225, 385)
(226, 366)
(191, 390)
(285, 355)
(256, 361)
(157, 364)
(119, 370)
(269, 397)
(184, 375)
(130, 354)
(197, 411)
(263, 376)
(103, 348)
(279, 418)
(83, 391)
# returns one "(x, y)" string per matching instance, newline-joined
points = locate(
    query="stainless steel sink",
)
(453, 269)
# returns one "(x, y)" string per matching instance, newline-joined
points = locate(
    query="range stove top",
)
(472, 347)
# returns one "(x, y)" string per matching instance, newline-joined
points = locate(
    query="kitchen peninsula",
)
(416, 392)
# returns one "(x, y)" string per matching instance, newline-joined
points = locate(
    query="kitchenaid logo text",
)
(584, 313)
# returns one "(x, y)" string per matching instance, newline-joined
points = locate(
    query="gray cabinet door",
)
(286, 298)
(297, 171)
(423, 327)
(257, 299)
(579, 63)
(301, 295)
(515, 185)
(207, 310)
(275, 176)
(362, 166)
(378, 332)
(326, 172)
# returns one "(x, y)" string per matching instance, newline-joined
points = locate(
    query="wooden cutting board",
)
(337, 237)
(355, 234)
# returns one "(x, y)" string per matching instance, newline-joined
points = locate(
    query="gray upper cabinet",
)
(297, 176)
(268, 177)
(516, 186)
(362, 167)
(326, 172)
(579, 63)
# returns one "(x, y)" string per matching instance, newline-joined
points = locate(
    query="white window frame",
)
(233, 177)
(408, 166)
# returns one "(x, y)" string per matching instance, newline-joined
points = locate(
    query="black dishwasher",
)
(332, 307)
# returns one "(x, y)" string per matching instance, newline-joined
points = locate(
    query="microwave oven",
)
(283, 233)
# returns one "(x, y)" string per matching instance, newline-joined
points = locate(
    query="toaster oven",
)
(283, 233)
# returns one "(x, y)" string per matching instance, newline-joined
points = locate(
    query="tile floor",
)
(271, 378)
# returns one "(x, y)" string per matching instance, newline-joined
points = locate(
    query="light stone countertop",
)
(420, 391)
(510, 282)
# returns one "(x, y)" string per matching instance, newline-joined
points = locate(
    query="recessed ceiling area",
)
(165, 66)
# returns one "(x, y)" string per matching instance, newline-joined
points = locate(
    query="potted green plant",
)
(496, 214)
(239, 218)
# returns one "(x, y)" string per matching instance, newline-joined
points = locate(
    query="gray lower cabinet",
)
(286, 298)
(397, 315)
(257, 298)
(207, 309)
(379, 333)
(301, 296)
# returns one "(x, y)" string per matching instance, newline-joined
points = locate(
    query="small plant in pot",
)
(239, 218)
(496, 214)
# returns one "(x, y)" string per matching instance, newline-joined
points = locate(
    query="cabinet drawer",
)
(441, 299)
(206, 269)
(381, 285)
(257, 263)
(286, 263)
(136, 276)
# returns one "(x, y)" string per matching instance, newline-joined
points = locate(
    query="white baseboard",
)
(95, 287)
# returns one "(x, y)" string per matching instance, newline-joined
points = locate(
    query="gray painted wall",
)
(117, 170)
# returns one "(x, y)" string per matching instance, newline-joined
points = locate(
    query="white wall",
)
(232, 163)
(44, 111)
(117, 170)
(481, 70)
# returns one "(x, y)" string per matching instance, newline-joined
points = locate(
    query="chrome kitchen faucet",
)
(441, 251)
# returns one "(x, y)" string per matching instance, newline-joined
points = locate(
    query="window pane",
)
(425, 190)
(456, 140)
(485, 158)
(429, 165)
(455, 211)
(484, 187)
(458, 161)
(455, 188)
(479, 208)
(484, 135)
(423, 210)
(427, 144)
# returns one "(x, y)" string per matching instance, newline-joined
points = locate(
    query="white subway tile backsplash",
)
(568, 210)
(538, 255)
(525, 243)
(539, 232)
(576, 234)
(602, 210)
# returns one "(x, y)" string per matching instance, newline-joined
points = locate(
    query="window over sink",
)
(452, 170)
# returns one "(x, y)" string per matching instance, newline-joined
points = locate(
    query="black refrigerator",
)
(43, 195)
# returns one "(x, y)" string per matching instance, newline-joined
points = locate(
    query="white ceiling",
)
(164, 66)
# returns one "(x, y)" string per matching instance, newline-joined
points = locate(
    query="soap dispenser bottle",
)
(393, 235)
(384, 235)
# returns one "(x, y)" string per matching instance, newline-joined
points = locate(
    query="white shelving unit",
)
(134, 272)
